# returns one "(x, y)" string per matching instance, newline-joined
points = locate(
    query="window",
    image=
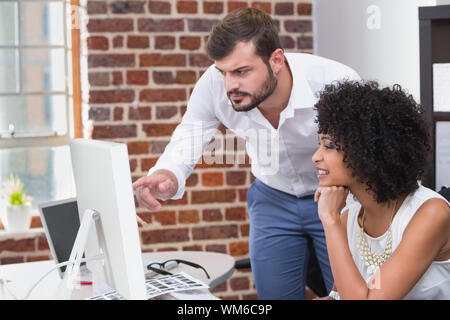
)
(36, 96)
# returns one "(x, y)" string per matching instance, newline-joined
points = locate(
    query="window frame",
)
(73, 118)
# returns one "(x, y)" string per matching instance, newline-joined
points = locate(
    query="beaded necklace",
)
(373, 260)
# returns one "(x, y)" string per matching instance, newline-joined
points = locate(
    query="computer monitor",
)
(103, 183)
(61, 222)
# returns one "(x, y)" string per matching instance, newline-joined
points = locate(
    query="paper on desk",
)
(159, 286)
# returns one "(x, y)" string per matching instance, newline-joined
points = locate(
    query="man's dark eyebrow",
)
(325, 138)
(235, 70)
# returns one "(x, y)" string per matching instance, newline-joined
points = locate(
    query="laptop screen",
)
(61, 222)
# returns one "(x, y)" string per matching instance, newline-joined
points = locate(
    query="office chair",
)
(445, 192)
(314, 279)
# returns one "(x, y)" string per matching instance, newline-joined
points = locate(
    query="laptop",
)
(61, 222)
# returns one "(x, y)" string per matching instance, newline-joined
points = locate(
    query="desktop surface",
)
(22, 276)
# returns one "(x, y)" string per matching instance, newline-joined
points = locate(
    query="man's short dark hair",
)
(382, 132)
(244, 25)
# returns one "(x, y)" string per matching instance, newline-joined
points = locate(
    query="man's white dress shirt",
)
(281, 158)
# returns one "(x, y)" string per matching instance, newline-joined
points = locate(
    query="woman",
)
(393, 243)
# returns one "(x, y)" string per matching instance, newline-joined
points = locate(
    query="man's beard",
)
(267, 88)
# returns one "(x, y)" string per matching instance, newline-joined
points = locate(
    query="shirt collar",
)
(302, 95)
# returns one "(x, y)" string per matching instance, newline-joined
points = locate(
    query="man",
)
(266, 97)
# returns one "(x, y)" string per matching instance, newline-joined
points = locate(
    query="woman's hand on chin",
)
(330, 201)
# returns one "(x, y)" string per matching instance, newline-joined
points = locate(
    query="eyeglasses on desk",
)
(160, 270)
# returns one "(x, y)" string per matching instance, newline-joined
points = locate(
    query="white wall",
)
(378, 38)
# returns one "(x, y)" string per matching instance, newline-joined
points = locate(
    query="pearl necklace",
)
(373, 260)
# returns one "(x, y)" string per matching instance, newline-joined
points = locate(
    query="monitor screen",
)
(61, 222)
(103, 183)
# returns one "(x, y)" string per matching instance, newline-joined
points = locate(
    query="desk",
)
(23, 276)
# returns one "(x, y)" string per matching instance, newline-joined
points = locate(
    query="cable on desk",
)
(3, 282)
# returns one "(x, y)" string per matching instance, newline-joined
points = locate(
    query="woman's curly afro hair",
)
(382, 133)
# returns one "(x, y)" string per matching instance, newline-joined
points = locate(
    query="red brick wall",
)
(143, 59)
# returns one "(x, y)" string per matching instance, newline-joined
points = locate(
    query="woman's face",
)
(329, 160)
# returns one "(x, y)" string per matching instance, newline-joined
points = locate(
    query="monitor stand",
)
(101, 271)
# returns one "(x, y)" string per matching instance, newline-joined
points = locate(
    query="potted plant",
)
(18, 205)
